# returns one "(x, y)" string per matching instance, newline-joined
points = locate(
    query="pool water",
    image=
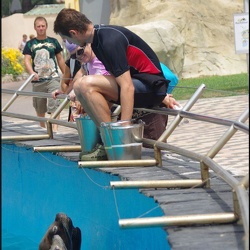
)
(14, 242)
(37, 186)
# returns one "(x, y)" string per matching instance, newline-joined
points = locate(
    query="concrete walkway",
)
(200, 136)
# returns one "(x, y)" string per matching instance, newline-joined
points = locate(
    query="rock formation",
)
(194, 38)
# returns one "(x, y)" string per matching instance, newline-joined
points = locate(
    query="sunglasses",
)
(78, 53)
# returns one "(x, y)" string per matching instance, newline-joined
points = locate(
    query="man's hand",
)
(35, 77)
(56, 93)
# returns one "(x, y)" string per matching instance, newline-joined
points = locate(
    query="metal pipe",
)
(117, 111)
(245, 181)
(215, 120)
(39, 119)
(180, 151)
(226, 137)
(15, 95)
(204, 118)
(25, 117)
(157, 184)
(230, 180)
(183, 220)
(220, 143)
(24, 137)
(65, 148)
(243, 201)
(33, 94)
(117, 163)
(243, 118)
(242, 127)
(178, 118)
(63, 123)
(222, 173)
(61, 107)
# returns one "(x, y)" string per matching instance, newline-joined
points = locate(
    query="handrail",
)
(240, 195)
(179, 118)
(49, 121)
(39, 119)
(15, 95)
(226, 137)
(33, 94)
(220, 121)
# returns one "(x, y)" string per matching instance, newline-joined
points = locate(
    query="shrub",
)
(12, 62)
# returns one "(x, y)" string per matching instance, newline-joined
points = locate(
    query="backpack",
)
(168, 74)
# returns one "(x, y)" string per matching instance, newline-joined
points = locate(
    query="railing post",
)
(205, 175)
(236, 207)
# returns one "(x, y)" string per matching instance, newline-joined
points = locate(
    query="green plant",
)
(12, 62)
(215, 86)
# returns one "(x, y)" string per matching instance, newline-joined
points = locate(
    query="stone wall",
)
(206, 28)
(165, 39)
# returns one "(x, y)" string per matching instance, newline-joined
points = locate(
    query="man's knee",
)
(83, 85)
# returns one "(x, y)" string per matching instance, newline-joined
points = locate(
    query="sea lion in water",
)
(61, 235)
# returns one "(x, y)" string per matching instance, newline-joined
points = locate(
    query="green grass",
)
(216, 86)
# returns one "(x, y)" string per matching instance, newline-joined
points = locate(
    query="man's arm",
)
(60, 61)
(67, 83)
(28, 66)
(65, 80)
(126, 95)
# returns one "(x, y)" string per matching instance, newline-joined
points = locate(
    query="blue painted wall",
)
(36, 186)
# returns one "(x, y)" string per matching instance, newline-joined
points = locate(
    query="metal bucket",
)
(130, 151)
(121, 133)
(107, 142)
(122, 141)
(88, 133)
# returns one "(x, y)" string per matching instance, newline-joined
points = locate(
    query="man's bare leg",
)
(55, 126)
(42, 124)
(93, 92)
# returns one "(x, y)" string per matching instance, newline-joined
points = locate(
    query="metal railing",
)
(239, 188)
(49, 121)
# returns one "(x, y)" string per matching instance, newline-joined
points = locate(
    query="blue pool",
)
(36, 186)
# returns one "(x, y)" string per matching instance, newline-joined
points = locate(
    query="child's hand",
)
(171, 102)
